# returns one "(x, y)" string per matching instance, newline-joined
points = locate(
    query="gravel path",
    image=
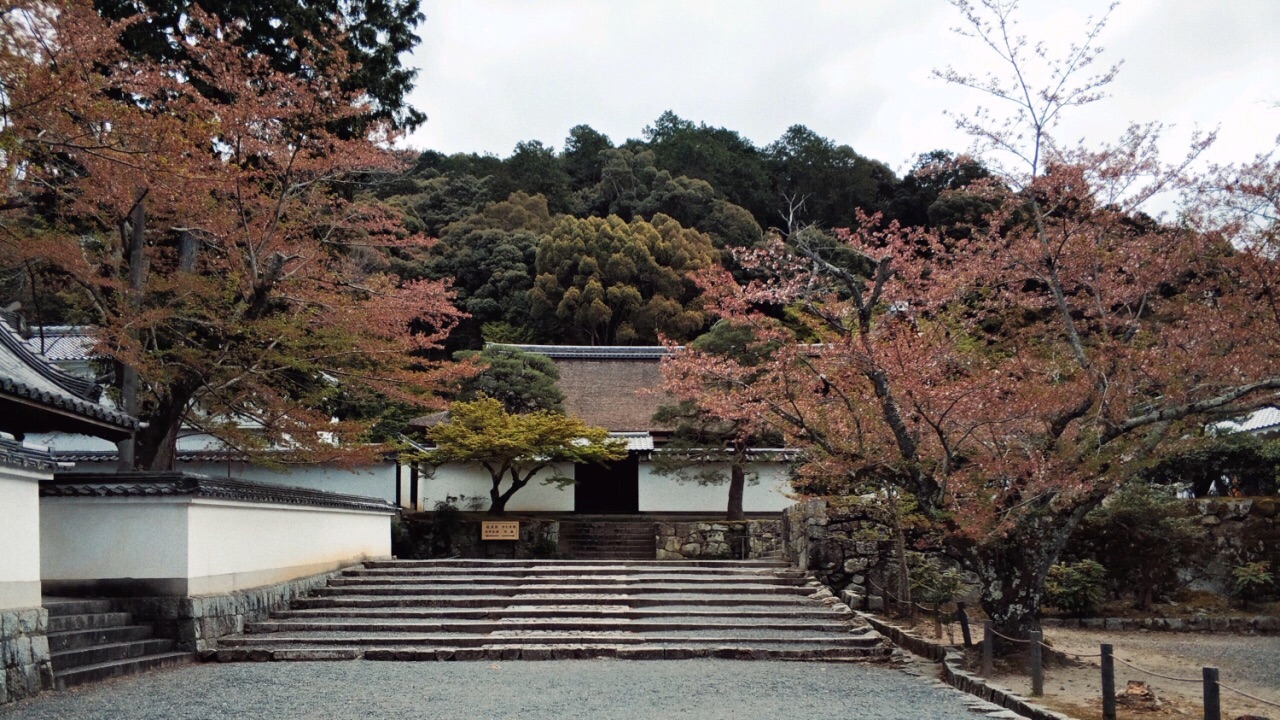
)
(560, 690)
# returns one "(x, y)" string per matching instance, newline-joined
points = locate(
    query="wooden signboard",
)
(500, 530)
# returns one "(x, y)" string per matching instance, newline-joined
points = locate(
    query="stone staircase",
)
(557, 609)
(608, 540)
(90, 641)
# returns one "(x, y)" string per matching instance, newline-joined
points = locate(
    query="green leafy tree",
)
(704, 446)
(581, 156)
(1143, 536)
(375, 34)
(514, 448)
(607, 281)
(490, 257)
(818, 182)
(1229, 464)
(535, 169)
(721, 157)
(523, 382)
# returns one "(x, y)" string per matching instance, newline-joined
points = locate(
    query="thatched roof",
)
(614, 387)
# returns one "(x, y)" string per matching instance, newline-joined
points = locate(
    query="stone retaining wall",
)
(197, 622)
(1260, 625)
(25, 668)
(1241, 530)
(719, 540)
(423, 538)
(843, 546)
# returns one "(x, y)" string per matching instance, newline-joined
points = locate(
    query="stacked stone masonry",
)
(198, 622)
(726, 540)
(24, 654)
(1241, 530)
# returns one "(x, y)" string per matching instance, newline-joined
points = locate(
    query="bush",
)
(931, 582)
(1251, 581)
(1076, 589)
(1144, 536)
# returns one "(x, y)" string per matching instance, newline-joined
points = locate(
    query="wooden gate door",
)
(609, 489)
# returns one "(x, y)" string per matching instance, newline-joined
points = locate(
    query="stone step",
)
(497, 602)
(64, 679)
(78, 639)
(622, 588)
(567, 651)
(567, 625)
(575, 571)
(349, 639)
(105, 653)
(593, 580)
(754, 564)
(66, 623)
(590, 613)
(61, 607)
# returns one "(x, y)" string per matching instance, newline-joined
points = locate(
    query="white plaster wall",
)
(232, 546)
(107, 538)
(659, 493)
(370, 481)
(19, 537)
(471, 480)
(214, 546)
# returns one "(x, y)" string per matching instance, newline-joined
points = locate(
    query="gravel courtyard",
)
(563, 690)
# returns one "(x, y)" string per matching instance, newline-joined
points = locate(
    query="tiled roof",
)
(201, 486)
(592, 352)
(30, 377)
(1261, 420)
(617, 394)
(64, 343)
(18, 454)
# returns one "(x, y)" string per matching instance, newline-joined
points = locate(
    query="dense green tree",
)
(607, 281)
(374, 35)
(523, 382)
(535, 169)
(490, 256)
(514, 448)
(933, 194)
(818, 182)
(728, 162)
(705, 447)
(581, 156)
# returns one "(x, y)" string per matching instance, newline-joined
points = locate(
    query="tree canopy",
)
(260, 286)
(515, 447)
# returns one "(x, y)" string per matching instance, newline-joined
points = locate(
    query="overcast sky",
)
(496, 72)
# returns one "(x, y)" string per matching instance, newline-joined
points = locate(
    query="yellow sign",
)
(505, 530)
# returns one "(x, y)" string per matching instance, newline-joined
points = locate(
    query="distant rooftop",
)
(63, 343)
(38, 396)
(591, 352)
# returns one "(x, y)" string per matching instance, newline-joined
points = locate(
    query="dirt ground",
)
(1248, 662)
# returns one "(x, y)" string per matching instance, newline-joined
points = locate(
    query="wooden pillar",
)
(413, 487)
(399, 504)
(1108, 683)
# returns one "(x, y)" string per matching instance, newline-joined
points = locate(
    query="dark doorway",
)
(612, 488)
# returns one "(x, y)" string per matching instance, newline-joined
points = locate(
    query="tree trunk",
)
(737, 486)
(1013, 568)
(156, 445)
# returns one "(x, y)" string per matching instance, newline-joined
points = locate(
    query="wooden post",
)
(1212, 702)
(399, 495)
(413, 487)
(1108, 683)
(988, 647)
(1037, 664)
(963, 617)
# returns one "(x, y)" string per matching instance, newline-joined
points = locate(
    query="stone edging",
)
(954, 674)
(153, 484)
(1261, 624)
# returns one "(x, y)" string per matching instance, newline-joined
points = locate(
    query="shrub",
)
(1251, 581)
(1077, 588)
(1144, 536)
(931, 582)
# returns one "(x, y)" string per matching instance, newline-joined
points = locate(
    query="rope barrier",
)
(1006, 637)
(1156, 674)
(1064, 652)
(1251, 697)
(885, 591)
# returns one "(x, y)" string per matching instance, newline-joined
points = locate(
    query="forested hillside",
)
(594, 242)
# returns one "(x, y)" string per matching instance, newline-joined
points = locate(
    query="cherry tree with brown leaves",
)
(1011, 379)
(263, 282)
